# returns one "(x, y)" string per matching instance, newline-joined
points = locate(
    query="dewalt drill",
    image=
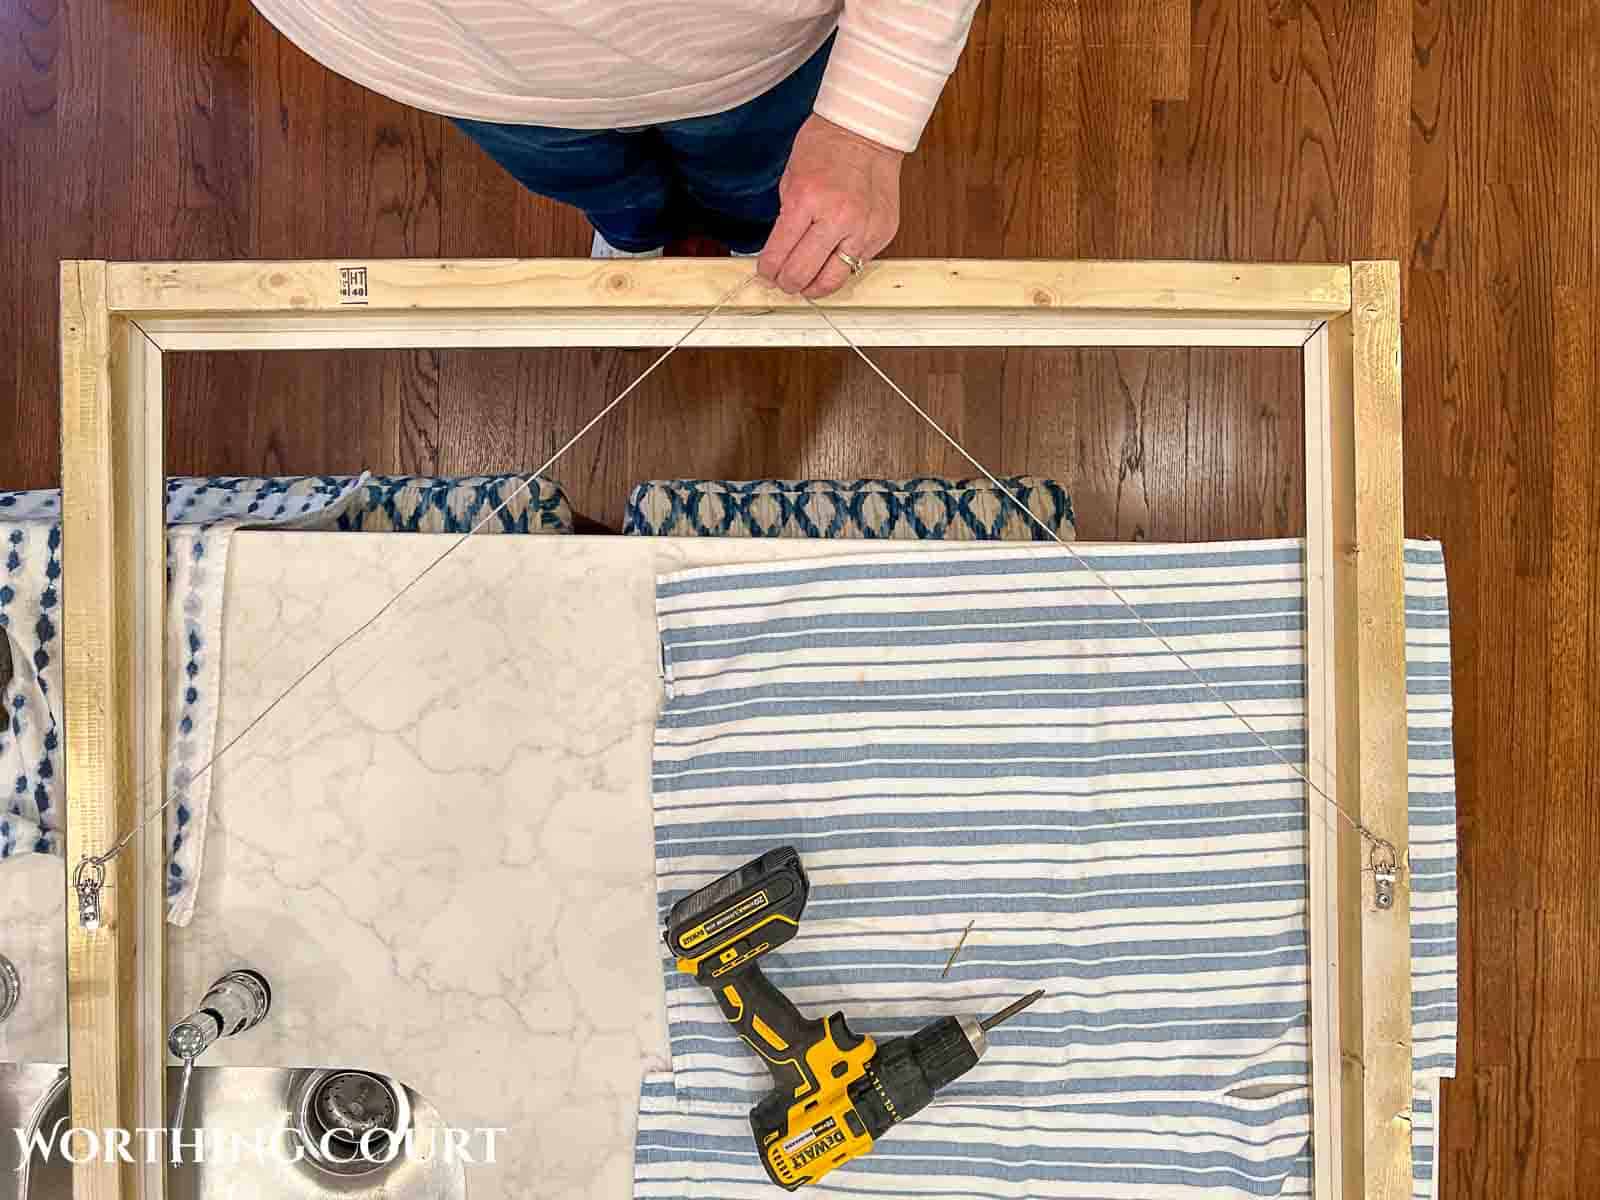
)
(834, 1092)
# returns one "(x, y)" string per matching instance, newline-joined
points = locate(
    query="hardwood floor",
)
(1460, 136)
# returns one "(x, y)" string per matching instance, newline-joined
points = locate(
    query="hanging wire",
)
(1383, 859)
(89, 876)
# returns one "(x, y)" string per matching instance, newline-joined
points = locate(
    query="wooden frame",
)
(119, 318)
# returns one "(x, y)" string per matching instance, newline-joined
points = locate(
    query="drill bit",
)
(1010, 1010)
(957, 950)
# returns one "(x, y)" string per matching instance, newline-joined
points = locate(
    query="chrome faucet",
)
(238, 1001)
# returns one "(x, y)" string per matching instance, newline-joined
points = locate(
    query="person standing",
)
(776, 127)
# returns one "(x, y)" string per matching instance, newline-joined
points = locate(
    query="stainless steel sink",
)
(248, 1102)
(25, 1089)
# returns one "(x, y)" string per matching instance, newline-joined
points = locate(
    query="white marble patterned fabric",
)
(991, 737)
(202, 514)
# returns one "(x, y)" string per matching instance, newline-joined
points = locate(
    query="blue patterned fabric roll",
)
(434, 504)
(927, 508)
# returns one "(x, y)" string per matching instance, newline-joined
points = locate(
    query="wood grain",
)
(413, 286)
(1330, 933)
(1586, 1129)
(1283, 129)
(108, 660)
(1372, 738)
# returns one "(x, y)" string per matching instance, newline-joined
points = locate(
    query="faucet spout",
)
(238, 1001)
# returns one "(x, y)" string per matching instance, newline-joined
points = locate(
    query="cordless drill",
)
(834, 1092)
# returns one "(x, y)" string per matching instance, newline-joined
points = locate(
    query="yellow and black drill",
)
(834, 1092)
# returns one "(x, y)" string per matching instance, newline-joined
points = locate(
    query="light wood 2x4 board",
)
(118, 319)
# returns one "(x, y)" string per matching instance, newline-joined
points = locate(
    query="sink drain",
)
(350, 1122)
(10, 981)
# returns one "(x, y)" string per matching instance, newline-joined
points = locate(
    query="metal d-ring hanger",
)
(89, 876)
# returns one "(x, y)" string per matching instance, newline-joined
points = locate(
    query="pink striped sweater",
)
(603, 64)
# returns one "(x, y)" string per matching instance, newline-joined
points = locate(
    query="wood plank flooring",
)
(1460, 136)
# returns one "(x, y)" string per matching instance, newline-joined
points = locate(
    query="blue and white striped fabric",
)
(989, 736)
(1424, 1139)
(1433, 851)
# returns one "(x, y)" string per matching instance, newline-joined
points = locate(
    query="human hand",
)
(840, 191)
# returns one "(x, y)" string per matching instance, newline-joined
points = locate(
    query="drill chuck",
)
(948, 1053)
(907, 1072)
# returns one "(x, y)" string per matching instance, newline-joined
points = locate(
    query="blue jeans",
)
(641, 188)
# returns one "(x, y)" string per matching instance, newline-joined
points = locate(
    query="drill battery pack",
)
(717, 930)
